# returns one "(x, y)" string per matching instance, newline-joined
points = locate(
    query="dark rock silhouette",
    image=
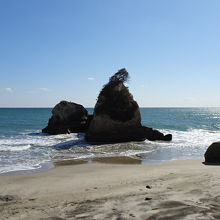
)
(117, 116)
(153, 135)
(212, 154)
(67, 117)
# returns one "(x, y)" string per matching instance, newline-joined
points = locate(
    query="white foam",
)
(188, 144)
(15, 148)
(12, 168)
(192, 138)
(29, 150)
(28, 140)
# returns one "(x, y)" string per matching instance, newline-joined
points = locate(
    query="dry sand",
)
(172, 190)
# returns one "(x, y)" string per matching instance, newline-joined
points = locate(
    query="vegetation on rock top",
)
(115, 99)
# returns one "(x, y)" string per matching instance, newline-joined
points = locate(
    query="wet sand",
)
(106, 160)
(172, 190)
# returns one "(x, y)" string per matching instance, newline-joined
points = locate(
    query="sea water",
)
(24, 148)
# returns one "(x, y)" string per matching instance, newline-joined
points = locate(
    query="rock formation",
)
(67, 117)
(212, 154)
(117, 117)
(154, 135)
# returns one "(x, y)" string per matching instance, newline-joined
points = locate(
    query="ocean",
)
(23, 148)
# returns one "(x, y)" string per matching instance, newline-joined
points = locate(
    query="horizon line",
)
(139, 107)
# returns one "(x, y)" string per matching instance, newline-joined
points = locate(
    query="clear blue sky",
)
(52, 50)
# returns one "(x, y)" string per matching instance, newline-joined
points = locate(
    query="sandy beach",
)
(172, 190)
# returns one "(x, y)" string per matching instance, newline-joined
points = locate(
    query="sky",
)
(53, 50)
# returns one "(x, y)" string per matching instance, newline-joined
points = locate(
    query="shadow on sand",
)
(211, 163)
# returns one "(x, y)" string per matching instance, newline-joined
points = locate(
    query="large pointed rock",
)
(116, 115)
(67, 117)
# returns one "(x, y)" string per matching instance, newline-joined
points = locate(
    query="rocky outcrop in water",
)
(155, 135)
(212, 154)
(67, 117)
(117, 116)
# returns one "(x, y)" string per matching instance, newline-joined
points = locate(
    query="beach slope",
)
(172, 190)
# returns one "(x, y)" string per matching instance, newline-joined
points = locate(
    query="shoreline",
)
(185, 189)
(118, 160)
(51, 165)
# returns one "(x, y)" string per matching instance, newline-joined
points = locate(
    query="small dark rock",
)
(148, 187)
(212, 154)
(147, 198)
(153, 135)
(168, 137)
(8, 198)
(155, 208)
